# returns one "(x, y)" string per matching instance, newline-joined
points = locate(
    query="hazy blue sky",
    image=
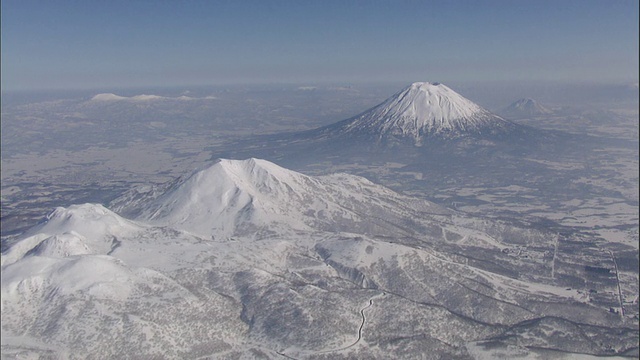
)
(92, 44)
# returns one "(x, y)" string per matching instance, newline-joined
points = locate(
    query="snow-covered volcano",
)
(253, 196)
(421, 110)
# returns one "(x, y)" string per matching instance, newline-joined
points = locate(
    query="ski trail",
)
(553, 261)
(360, 329)
(615, 263)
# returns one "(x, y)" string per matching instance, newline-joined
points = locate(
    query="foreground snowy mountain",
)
(245, 259)
(256, 197)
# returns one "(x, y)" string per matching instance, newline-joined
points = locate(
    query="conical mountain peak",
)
(255, 170)
(525, 107)
(429, 103)
(424, 109)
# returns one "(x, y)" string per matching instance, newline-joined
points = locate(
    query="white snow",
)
(62, 245)
(98, 274)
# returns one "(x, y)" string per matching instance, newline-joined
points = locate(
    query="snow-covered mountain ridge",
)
(76, 230)
(234, 197)
(246, 259)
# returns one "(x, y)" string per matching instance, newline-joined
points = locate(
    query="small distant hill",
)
(524, 108)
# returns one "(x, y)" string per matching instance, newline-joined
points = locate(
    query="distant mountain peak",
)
(525, 107)
(430, 105)
(424, 109)
(107, 97)
(143, 98)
